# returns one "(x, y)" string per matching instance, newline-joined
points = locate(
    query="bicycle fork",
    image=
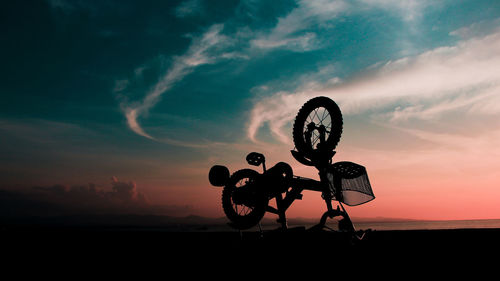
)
(331, 191)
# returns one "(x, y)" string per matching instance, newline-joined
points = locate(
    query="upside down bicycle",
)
(316, 132)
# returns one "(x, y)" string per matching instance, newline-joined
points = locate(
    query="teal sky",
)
(156, 92)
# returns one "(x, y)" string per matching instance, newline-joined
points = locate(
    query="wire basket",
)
(350, 183)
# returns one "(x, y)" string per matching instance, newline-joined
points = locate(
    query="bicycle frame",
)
(298, 184)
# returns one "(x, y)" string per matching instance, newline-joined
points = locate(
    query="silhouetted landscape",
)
(132, 236)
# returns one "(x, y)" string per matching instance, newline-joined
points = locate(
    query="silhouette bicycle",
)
(316, 132)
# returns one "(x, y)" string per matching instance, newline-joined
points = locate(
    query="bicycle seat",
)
(255, 158)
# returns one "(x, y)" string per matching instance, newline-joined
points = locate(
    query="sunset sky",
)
(134, 101)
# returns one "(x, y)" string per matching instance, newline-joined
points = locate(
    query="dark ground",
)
(128, 246)
(161, 248)
(95, 254)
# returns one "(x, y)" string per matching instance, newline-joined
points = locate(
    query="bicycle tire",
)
(302, 117)
(238, 220)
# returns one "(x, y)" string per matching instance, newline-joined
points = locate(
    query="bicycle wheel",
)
(249, 209)
(317, 126)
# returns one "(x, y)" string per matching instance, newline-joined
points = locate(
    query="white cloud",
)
(302, 43)
(131, 114)
(286, 33)
(291, 31)
(474, 100)
(463, 77)
(203, 50)
(482, 27)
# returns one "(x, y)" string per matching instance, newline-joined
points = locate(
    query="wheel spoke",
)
(323, 115)
(310, 118)
(315, 139)
(316, 113)
(327, 115)
(318, 116)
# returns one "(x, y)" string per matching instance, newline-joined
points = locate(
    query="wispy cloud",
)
(203, 50)
(289, 30)
(293, 31)
(422, 87)
(483, 27)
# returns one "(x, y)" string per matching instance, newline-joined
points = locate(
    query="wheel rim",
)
(320, 116)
